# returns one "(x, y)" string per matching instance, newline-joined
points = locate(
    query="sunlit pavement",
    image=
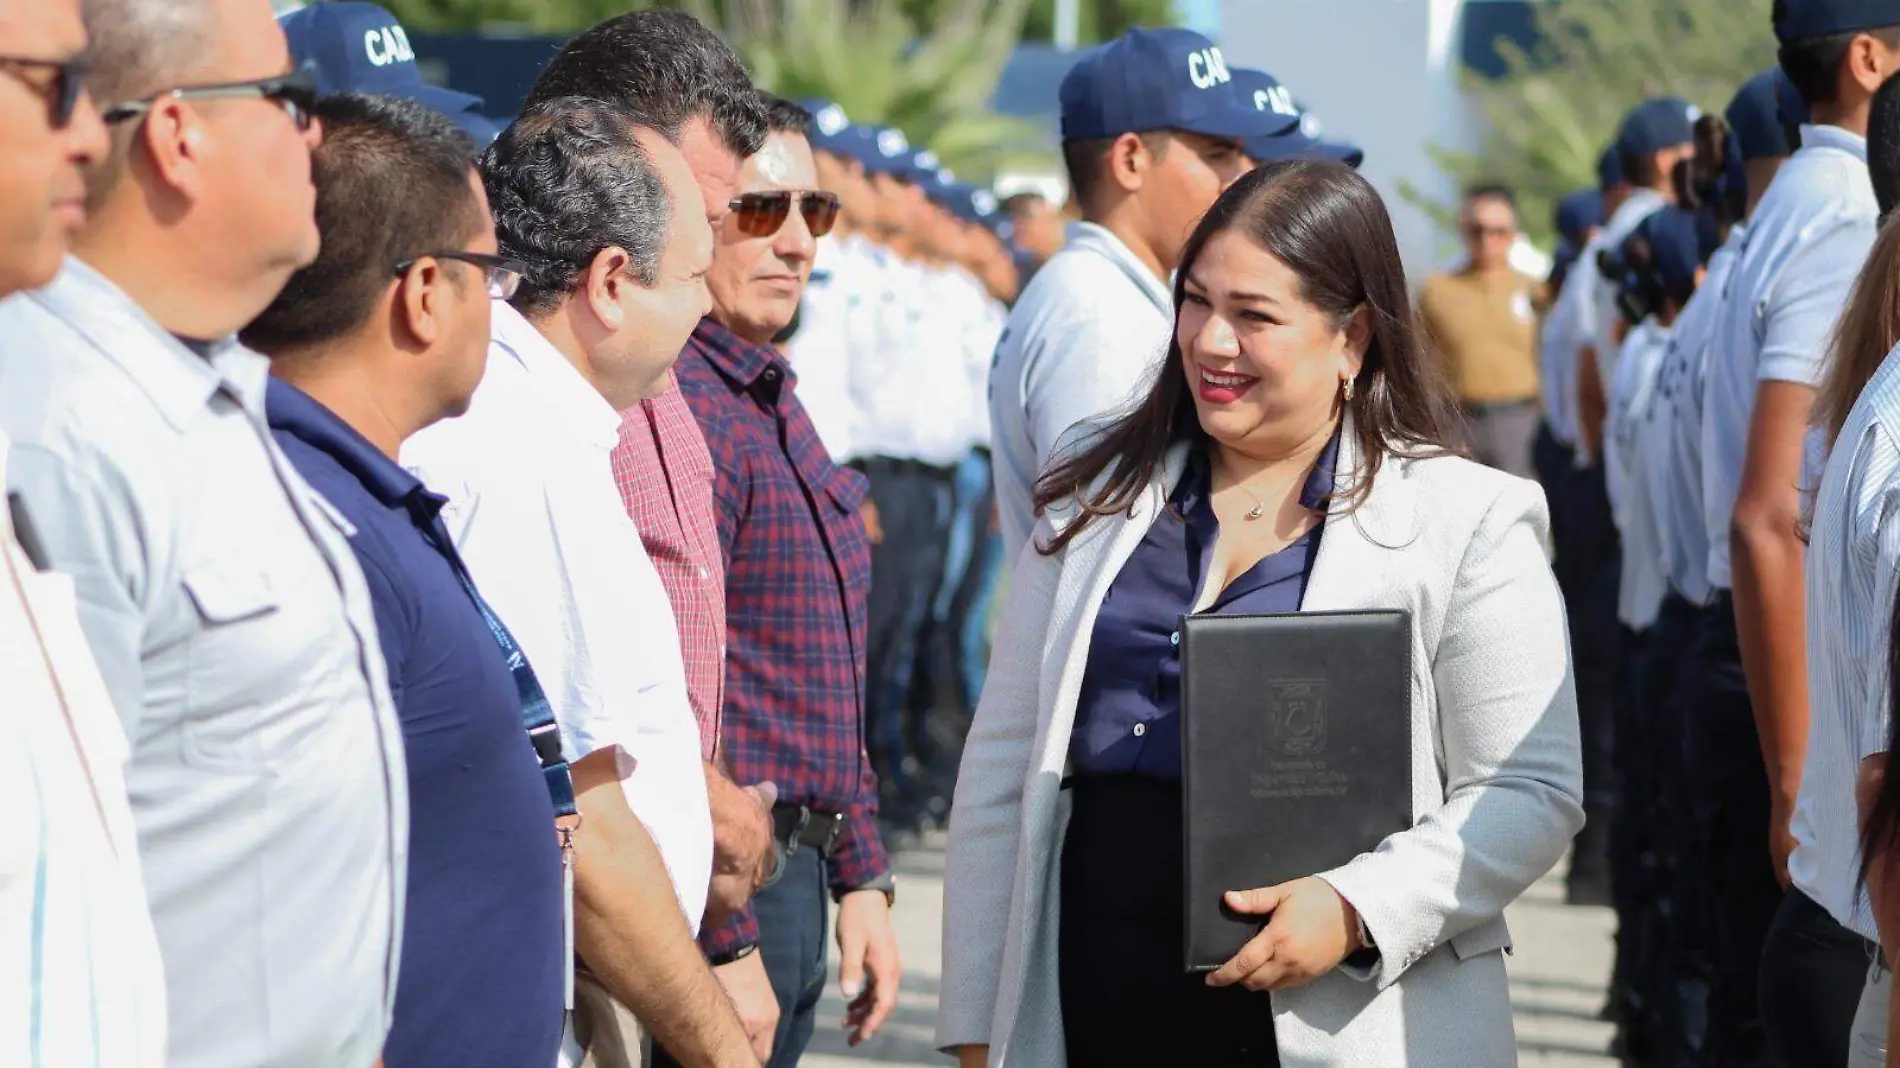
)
(1557, 978)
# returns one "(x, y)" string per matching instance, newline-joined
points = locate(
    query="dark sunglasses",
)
(295, 92)
(762, 214)
(61, 93)
(502, 276)
(1489, 231)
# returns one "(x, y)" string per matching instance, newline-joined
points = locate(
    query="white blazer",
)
(1497, 775)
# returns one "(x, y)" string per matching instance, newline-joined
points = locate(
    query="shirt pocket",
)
(235, 603)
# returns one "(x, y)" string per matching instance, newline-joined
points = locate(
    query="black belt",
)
(796, 825)
(894, 465)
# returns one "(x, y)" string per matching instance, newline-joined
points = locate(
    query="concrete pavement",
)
(1558, 976)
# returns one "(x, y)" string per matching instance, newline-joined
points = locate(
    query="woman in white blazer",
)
(1294, 353)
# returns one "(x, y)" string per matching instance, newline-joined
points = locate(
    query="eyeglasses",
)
(1489, 231)
(295, 92)
(762, 214)
(61, 93)
(502, 276)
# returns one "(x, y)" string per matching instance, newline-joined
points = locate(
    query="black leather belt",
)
(796, 825)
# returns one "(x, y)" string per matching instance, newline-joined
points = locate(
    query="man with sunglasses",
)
(230, 621)
(798, 570)
(1482, 318)
(76, 938)
(385, 334)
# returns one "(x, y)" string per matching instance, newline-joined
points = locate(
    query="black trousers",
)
(1811, 974)
(1729, 812)
(913, 505)
(1593, 567)
(1126, 999)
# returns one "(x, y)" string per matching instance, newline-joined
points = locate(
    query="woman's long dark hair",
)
(1880, 838)
(1329, 226)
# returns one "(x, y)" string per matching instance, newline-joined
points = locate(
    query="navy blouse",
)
(1128, 718)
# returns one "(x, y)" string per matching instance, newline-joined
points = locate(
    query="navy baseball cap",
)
(1610, 168)
(833, 131)
(1755, 117)
(1577, 213)
(361, 48)
(1165, 79)
(1656, 124)
(1801, 20)
(1303, 140)
(1675, 247)
(888, 152)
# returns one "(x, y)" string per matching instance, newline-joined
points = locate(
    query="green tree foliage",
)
(1551, 115)
(1097, 20)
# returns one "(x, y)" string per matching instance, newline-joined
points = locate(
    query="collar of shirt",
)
(736, 358)
(554, 378)
(1833, 138)
(295, 412)
(1089, 237)
(1197, 482)
(178, 380)
(1639, 205)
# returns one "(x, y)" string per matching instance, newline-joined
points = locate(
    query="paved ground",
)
(1557, 979)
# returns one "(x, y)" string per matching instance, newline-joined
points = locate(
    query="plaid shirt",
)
(798, 574)
(665, 477)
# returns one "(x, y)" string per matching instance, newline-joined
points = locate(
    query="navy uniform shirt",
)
(1128, 717)
(481, 980)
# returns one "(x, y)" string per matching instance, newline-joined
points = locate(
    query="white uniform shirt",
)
(820, 353)
(81, 983)
(1805, 246)
(910, 384)
(1593, 316)
(1556, 363)
(1853, 562)
(1087, 337)
(534, 510)
(232, 627)
(979, 322)
(1674, 455)
(1626, 437)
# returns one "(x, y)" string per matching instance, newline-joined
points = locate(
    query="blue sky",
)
(1203, 15)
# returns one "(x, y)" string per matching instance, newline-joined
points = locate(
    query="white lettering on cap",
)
(928, 160)
(891, 143)
(830, 120)
(1276, 100)
(388, 45)
(984, 201)
(1206, 68)
(1309, 125)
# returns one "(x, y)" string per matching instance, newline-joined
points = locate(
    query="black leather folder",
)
(1296, 755)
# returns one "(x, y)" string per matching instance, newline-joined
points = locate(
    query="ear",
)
(176, 142)
(1863, 64)
(1356, 339)
(1129, 161)
(606, 284)
(420, 301)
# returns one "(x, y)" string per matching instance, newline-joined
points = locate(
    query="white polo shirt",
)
(1852, 567)
(1087, 337)
(233, 629)
(1674, 457)
(1805, 246)
(534, 511)
(81, 983)
(1626, 437)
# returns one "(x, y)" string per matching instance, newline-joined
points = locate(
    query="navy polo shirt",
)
(1128, 717)
(482, 948)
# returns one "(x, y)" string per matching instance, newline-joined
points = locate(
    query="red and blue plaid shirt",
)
(798, 575)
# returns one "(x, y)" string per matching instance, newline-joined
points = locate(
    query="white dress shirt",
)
(1626, 438)
(233, 629)
(81, 982)
(1086, 338)
(1853, 562)
(1674, 455)
(535, 513)
(1805, 246)
(820, 353)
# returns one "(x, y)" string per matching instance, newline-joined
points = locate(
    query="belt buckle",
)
(831, 835)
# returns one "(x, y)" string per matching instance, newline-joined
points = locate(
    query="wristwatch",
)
(733, 956)
(885, 882)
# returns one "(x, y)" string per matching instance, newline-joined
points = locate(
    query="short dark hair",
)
(783, 116)
(1083, 160)
(392, 180)
(566, 180)
(1814, 65)
(1492, 191)
(1883, 144)
(666, 67)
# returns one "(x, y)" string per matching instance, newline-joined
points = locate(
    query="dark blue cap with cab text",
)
(1801, 20)
(1166, 79)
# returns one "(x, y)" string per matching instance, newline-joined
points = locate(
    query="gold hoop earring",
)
(1348, 390)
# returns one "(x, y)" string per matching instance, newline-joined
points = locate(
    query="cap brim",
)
(447, 101)
(1296, 145)
(1239, 123)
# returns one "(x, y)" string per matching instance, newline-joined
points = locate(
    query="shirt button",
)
(702, 575)
(1141, 729)
(771, 374)
(1175, 638)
